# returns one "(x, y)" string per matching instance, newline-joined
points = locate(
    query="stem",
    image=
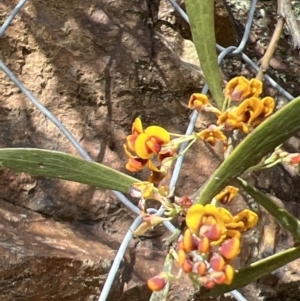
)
(285, 11)
(186, 149)
(176, 135)
(265, 60)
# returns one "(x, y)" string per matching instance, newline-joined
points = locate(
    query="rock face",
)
(96, 65)
(42, 259)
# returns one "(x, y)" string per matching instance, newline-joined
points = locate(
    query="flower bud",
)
(217, 262)
(189, 241)
(200, 268)
(230, 248)
(158, 282)
(204, 245)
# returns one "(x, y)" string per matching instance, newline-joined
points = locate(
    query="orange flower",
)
(148, 142)
(206, 221)
(249, 110)
(227, 194)
(151, 141)
(136, 129)
(269, 105)
(184, 261)
(204, 246)
(135, 163)
(198, 101)
(231, 121)
(212, 134)
(268, 108)
(157, 173)
(246, 219)
(201, 268)
(240, 88)
(142, 190)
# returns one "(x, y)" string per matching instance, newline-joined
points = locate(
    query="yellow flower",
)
(231, 121)
(249, 110)
(157, 173)
(206, 221)
(145, 144)
(212, 134)
(269, 105)
(148, 142)
(136, 129)
(151, 141)
(198, 101)
(142, 190)
(240, 88)
(227, 194)
(134, 163)
(248, 219)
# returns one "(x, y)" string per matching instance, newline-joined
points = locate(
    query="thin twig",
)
(285, 10)
(265, 60)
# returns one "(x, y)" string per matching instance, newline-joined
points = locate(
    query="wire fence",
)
(232, 50)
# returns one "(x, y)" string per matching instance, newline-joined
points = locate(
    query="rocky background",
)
(97, 65)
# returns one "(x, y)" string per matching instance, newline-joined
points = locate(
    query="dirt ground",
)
(97, 65)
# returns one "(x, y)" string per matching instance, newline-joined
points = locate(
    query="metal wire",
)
(223, 53)
(120, 254)
(11, 16)
(118, 259)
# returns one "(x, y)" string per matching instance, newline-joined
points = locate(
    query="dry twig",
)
(284, 10)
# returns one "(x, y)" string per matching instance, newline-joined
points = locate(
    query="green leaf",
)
(256, 271)
(59, 165)
(201, 17)
(287, 220)
(263, 140)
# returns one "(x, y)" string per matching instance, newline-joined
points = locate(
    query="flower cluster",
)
(142, 145)
(154, 143)
(245, 117)
(210, 243)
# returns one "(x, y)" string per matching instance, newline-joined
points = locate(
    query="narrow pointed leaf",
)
(256, 271)
(287, 220)
(60, 165)
(201, 17)
(263, 140)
